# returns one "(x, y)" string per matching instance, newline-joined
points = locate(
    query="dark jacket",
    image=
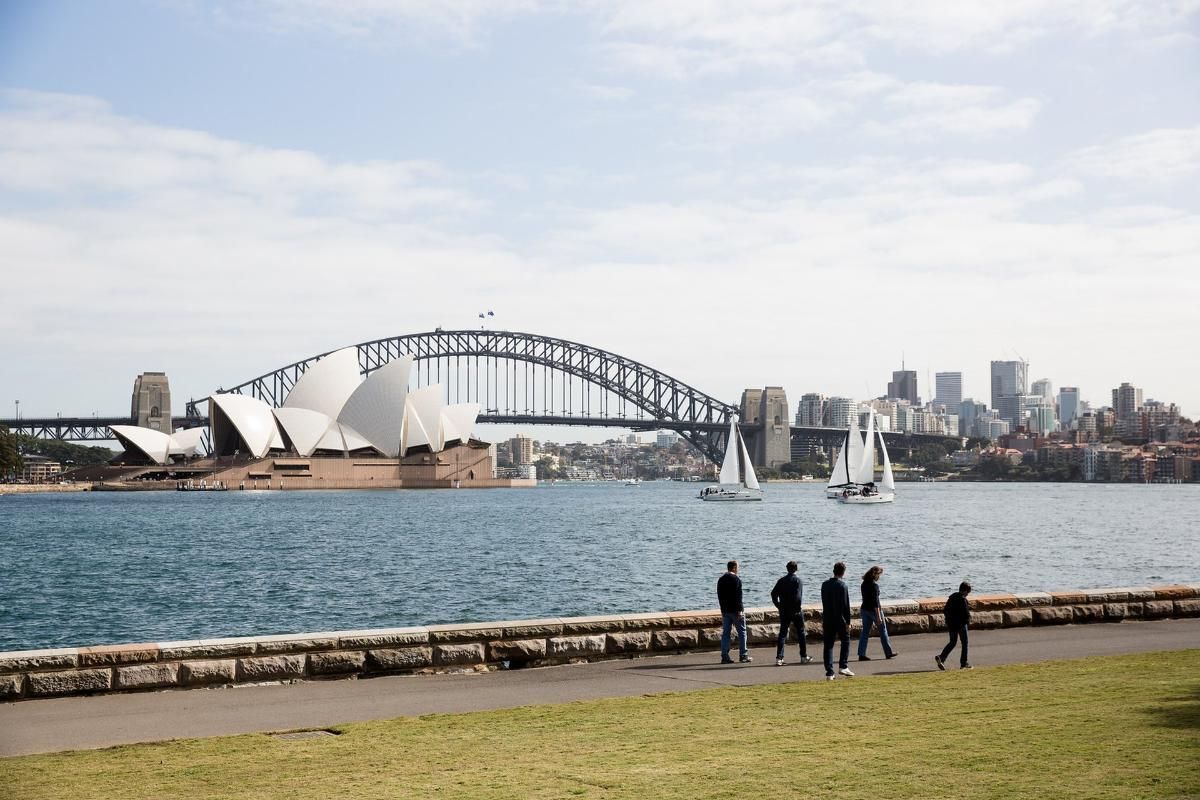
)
(835, 603)
(870, 596)
(958, 611)
(729, 593)
(788, 594)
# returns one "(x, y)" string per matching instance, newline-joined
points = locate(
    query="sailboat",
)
(734, 483)
(868, 493)
(846, 472)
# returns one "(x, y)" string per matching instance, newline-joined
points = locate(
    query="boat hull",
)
(732, 496)
(869, 500)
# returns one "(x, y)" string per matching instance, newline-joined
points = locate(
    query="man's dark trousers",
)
(828, 636)
(786, 620)
(955, 634)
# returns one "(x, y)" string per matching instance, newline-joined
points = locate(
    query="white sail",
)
(866, 467)
(888, 484)
(751, 480)
(847, 472)
(729, 466)
(838, 476)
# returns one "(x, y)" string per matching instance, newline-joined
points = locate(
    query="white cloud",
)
(1161, 156)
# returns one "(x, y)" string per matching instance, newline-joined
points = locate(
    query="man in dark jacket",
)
(835, 621)
(788, 597)
(958, 617)
(733, 613)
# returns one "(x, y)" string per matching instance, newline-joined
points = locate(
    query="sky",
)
(738, 194)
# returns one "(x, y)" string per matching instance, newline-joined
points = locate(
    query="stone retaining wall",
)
(534, 642)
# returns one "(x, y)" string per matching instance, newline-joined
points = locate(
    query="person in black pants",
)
(958, 617)
(788, 597)
(835, 621)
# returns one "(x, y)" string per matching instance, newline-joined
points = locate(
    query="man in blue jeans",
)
(835, 621)
(958, 617)
(733, 613)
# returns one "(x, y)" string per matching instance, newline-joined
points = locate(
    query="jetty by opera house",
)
(335, 430)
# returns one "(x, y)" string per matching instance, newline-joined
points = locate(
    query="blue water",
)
(82, 569)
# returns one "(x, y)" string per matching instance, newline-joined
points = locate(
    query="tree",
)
(978, 442)
(10, 457)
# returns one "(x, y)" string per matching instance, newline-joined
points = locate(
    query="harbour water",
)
(99, 568)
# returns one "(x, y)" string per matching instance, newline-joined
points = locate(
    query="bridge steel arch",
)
(607, 380)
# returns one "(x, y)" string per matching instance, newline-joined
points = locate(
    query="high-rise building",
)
(949, 389)
(1068, 406)
(1045, 388)
(903, 386)
(1126, 400)
(968, 412)
(1009, 378)
(840, 409)
(522, 450)
(151, 406)
(812, 412)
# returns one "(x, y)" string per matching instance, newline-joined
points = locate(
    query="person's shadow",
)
(1181, 711)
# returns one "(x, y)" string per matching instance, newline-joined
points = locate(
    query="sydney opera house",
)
(334, 430)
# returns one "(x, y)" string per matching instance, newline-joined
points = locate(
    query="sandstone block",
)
(759, 615)
(931, 605)
(399, 659)
(533, 628)
(812, 611)
(1052, 615)
(1187, 608)
(70, 681)
(993, 602)
(179, 651)
(763, 634)
(1030, 599)
(1109, 596)
(337, 662)
(577, 646)
(937, 622)
(147, 676)
(453, 655)
(270, 668)
(908, 623)
(517, 650)
(1091, 612)
(472, 632)
(384, 637)
(31, 660)
(676, 639)
(812, 628)
(11, 686)
(1174, 592)
(694, 619)
(596, 624)
(108, 655)
(710, 637)
(985, 620)
(296, 644)
(1068, 598)
(635, 622)
(1134, 610)
(1139, 593)
(208, 671)
(1018, 618)
(1158, 609)
(1115, 612)
(634, 642)
(900, 607)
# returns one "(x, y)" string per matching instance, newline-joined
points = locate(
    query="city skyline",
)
(216, 190)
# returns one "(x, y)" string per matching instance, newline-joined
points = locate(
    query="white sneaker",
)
(830, 677)
(806, 659)
(846, 671)
(779, 662)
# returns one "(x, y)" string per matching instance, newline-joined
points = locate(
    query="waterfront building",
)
(812, 411)
(151, 402)
(1126, 401)
(949, 389)
(1039, 418)
(1009, 378)
(903, 386)
(522, 450)
(39, 469)
(1068, 406)
(666, 439)
(968, 412)
(840, 409)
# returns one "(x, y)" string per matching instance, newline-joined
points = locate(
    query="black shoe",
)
(745, 659)
(892, 654)
(726, 660)
(940, 662)
(864, 658)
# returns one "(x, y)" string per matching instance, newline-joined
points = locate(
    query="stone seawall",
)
(34, 674)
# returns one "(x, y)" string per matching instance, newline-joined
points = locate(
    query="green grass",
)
(1122, 727)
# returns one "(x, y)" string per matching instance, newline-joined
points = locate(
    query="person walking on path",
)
(958, 617)
(788, 597)
(872, 614)
(835, 621)
(733, 613)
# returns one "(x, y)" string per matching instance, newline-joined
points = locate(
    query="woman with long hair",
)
(872, 614)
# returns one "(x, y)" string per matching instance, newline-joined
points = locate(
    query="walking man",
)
(788, 597)
(958, 616)
(733, 613)
(835, 621)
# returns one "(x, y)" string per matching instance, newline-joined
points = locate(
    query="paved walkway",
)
(38, 726)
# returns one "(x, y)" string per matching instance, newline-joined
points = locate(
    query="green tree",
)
(978, 441)
(10, 456)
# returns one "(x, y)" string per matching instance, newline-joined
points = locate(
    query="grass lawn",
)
(1122, 727)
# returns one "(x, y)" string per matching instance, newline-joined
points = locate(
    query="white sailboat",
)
(845, 475)
(734, 482)
(868, 493)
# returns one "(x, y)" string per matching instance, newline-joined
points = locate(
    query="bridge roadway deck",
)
(36, 726)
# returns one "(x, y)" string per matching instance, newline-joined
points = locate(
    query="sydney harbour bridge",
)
(517, 378)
